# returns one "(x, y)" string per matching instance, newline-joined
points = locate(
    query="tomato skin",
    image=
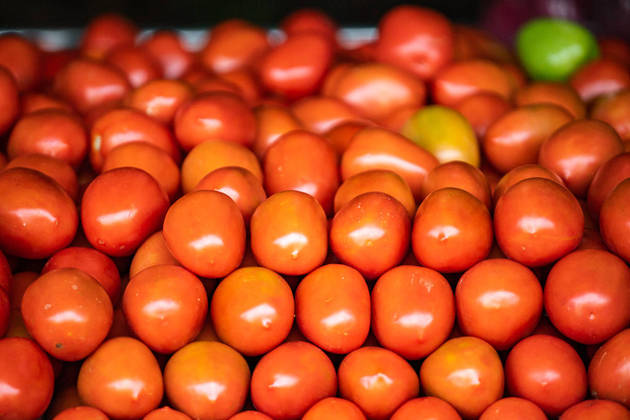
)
(289, 379)
(106, 32)
(498, 289)
(205, 232)
(320, 114)
(137, 65)
(5, 312)
(309, 20)
(207, 380)
(426, 408)
(607, 376)
(522, 172)
(250, 415)
(600, 77)
(596, 409)
(371, 233)
(332, 407)
(413, 310)
(482, 110)
(289, 233)
(57, 169)
(465, 372)
(458, 174)
(537, 221)
(416, 39)
(81, 413)
(166, 48)
(614, 110)
(160, 98)
(22, 58)
(548, 372)
(120, 209)
(272, 121)
(615, 49)
(377, 380)
(554, 93)
(252, 310)
(38, 217)
(608, 176)
(333, 308)
(125, 362)
(28, 376)
(513, 408)
(613, 220)
(9, 100)
(153, 251)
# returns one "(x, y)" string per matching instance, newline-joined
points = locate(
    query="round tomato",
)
(608, 375)
(336, 408)
(596, 409)
(614, 219)
(426, 408)
(513, 408)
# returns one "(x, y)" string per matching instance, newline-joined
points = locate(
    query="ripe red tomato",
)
(5, 312)
(106, 32)
(272, 121)
(336, 408)
(81, 413)
(166, 48)
(57, 169)
(596, 409)
(529, 170)
(22, 58)
(608, 376)
(554, 93)
(426, 408)
(136, 63)
(615, 49)
(607, 177)
(309, 20)
(600, 77)
(160, 98)
(513, 408)
(166, 413)
(614, 110)
(320, 114)
(458, 174)
(614, 220)
(377, 380)
(9, 100)
(153, 251)
(250, 415)
(547, 371)
(482, 110)
(207, 380)
(288, 380)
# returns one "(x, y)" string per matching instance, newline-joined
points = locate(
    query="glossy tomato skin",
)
(413, 310)
(529, 170)
(333, 308)
(166, 413)
(38, 217)
(28, 376)
(5, 312)
(309, 20)
(600, 77)
(5, 273)
(57, 169)
(81, 413)
(67, 312)
(452, 230)
(291, 378)
(607, 177)
(137, 65)
(537, 221)
(371, 233)
(555, 93)
(416, 39)
(105, 33)
(596, 409)
(319, 114)
(120, 209)
(22, 58)
(36, 101)
(252, 310)
(458, 174)
(272, 121)
(302, 161)
(207, 380)
(614, 110)
(250, 415)
(9, 100)
(289, 233)
(166, 48)
(465, 372)
(482, 109)
(160, 98)
(165, 306)
(426, 408)
(377, 380)
(153, 251)
(513, 408)
(547, 371)
(121, 378)
(614, 220)
(205, 232)
(607, 376)
(332, 407)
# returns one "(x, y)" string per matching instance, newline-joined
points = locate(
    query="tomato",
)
(207, 380)
(371, 233)
(513, 408)
(614, 110)
(554, 93)
(9, 100)
(81, 413)
(426, 408)
(377, 148)
(537, 221)
(136, 63)
(522, 172)
(607, 177)
(614, 220)
(320, 114)
(121, 378)
(498, 289)
(168, 50)
(596, 409)
(37, 216)
(57, 169)
(288, 380)
(416, 39)
(377, 380)
(458, 174)
(289, 233)
(19, 283)
(22, 58)
(54, 133)
(246, 83)
(153, 251)
(296, 68)
(548, 372)
(159, 98)
(215, 84)
(87, 84)
(481, 110)
(608, 376)
(250, 415)
(214, 115)
(600, 77)
(413, 310)
(272, 121)
(5, 312)
(205, 232)
(333, 308)
(27, 378)
(471, 42)
(336, 408)
(309, 20)
(120, 209)
(106, 32)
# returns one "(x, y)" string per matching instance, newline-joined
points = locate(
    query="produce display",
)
(427, 225)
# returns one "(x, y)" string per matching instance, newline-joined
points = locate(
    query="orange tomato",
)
(426, 408)
(513, 408)
(458, 174)
(332, 407)
(482, 110)
(165, 413)
(596, 409)
(522, 172)
(153, 251)
(57, 169)
(272, 121)
(554, 93)
(159, 98)
(81, 413)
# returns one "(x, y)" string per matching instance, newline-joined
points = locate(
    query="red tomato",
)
(607, 177)
(166, 48)
(513, 408)
(288, 380)
(319, 114)
(309, 20)
(554, 93)
(120, 209)
(426, 408)
(22, 58)
(465, 372)
(19, 283)
(548, 372)
(608, 375)
(377, 380)
(498, 289)
(121, 378)
(27, 378)
(57, 169)
(36, 101)
(334, 408)
(9, 100)
(413, 310)
(5, 312)
(252, 310)
(38, 217)
(471, 42)
(5, 273)
(458, 174)
(416, 39)
(596, 409)
(205, 232)
(600, 77)
(250, 415)
(614, 110)
(136, 63)
(272, 121)
(482, 110)
(289, 233)
(207, 380)
(537, 221)
(371, 233)
(333, 308)
(615, 49)
(153, 251)
(81, 413)
(160, 98)
(522, 172)
(165, 413)
(106, 32)
(614, 220)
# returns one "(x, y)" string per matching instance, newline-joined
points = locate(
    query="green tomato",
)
(552, 49)
(445, 133)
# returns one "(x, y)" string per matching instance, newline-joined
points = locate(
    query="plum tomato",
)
(5, 312)
(250, 415)
(614, 220)
(136, 63)
(458, 174)
(426, 408)
(334, 408)
(607, 177)
(522, 172)
(614, 110)
(57, 169)
(481, 110)
(9, 100)
(168, 51)
(600, 78)
(608, 375)
(513, 408)
(105, 33)
(320, 114)
(309, 20)
(160, 98)
(547, 371)
(377, 380)
(596, 409)
(205, 232)
(22, 58)
(554, 93)
(5, 273)
(81, 413)
(288, 380)
(272, 121)
(153, 251)
(165, 413)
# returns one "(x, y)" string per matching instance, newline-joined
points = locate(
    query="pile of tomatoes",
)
(295, 228)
